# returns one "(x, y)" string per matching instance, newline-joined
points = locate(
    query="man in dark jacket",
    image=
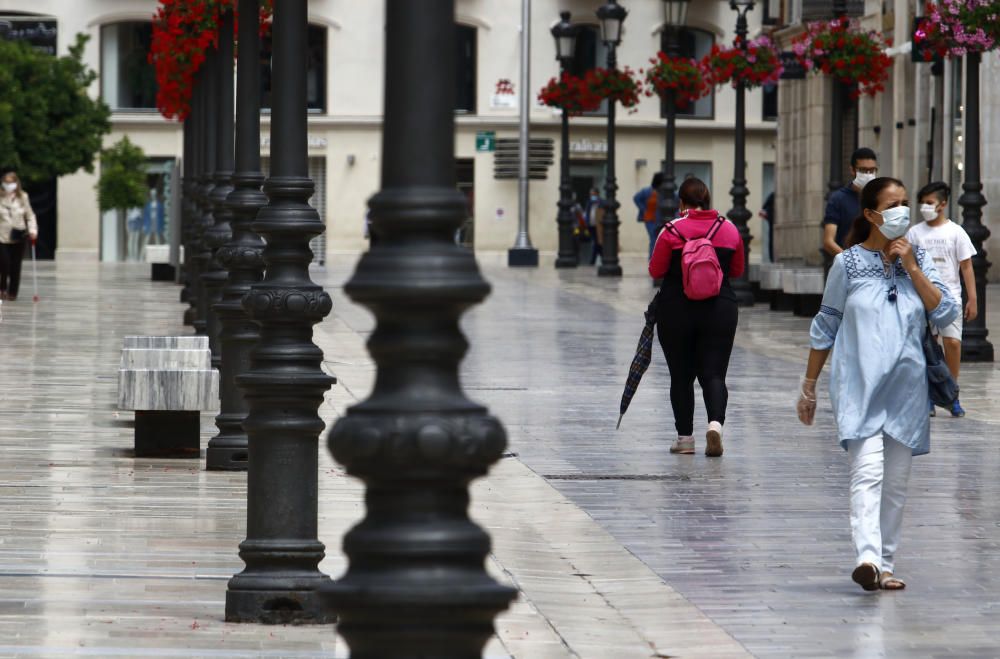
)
(843, 205)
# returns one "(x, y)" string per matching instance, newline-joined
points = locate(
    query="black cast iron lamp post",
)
(739, 213)
(416, 584)
(285, 384)
(564, 34)
(242, 256)
(611, 16)
(975, 346)
(674, 19)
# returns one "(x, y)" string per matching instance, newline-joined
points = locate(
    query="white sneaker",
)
(683, 445)
(713, 448)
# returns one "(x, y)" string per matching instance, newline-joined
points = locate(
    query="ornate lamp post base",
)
(299, 602)
(522, 257)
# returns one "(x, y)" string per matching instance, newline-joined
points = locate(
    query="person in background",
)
(952, 251)
(18, 225)
(767, 215)
(842, 206)
(647, 201)
(697, 335)
(879, 297)
(594, 213)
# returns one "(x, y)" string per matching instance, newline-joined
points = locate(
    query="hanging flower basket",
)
(570, 94)
(618, 85)
(682, 75)
(183, 32)
(852, 56)
(954, 28)
(755, 65)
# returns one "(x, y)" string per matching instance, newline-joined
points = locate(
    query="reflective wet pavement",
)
(759, 540)
(105, 555)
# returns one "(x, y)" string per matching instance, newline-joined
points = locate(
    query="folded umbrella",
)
(643, 355)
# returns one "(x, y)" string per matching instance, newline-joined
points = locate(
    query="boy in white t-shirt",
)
(952, 250)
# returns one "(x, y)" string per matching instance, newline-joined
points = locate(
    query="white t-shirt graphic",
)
(948, 245)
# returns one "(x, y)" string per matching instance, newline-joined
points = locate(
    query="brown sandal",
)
(866, 575)
(888, 582)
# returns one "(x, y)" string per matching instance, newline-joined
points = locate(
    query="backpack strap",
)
(715, 227)
(669, 226)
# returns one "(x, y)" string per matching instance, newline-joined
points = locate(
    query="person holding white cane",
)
(879, 298)
(17, 226)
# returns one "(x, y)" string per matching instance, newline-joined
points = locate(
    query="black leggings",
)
(11, 255)
(697, 339)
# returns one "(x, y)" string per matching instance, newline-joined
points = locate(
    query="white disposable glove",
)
(806, 406)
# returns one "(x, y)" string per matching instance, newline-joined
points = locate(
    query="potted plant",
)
(755, 63)
(681, 75)
(953, 28)
(183, 31)
(619, 85)
(122, 184)
(570, 94)
(853, 56)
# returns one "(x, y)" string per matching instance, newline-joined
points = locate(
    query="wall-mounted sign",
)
(586, 146)
(40, 33)
(314, 142)
(486, 141)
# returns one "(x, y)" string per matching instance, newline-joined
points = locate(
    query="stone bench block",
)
(159, 359)
(753, 272)
(770, 276)
(169, 390)
(168, 381)
(802, 281)
(168, 342)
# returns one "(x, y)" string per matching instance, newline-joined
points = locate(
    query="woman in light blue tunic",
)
(879, 296)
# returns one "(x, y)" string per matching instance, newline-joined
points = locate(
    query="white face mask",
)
(10, 187)
(895, 222)
(862, 179)
(928, 211)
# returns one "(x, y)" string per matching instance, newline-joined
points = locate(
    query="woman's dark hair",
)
(657, 180)
(938, 188)
(861, 227)
(694, 194)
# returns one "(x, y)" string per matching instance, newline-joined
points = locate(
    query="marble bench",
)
(158, 256)
(771, 286)
(805, 286)
(168, 381)
(753, 276)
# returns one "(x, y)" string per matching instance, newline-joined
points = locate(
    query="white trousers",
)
(880, 471)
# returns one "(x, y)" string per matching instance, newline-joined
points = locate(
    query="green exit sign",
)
(486, 141)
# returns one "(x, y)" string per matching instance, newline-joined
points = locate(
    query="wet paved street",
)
(759, 539)
(105, 555)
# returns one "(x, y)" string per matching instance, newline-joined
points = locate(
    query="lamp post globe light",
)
(739, 215)
(564, 34)
(674, 19)
(611, 16)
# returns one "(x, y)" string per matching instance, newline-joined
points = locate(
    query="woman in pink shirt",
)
(697, 335)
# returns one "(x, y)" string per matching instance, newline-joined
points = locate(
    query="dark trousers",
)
(11, 256)
(697, 340)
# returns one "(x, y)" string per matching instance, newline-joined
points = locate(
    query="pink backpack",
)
(700, 269)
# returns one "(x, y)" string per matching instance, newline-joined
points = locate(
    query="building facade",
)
(916, 126)
(345, 100)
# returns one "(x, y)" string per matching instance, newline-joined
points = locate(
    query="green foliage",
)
(49, 125)
(123, 177)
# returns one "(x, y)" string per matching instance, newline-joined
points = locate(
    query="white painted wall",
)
(351, 126)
